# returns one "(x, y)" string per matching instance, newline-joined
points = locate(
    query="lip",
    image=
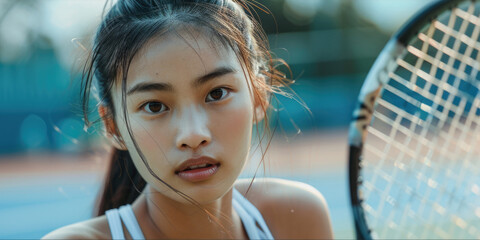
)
(199, 174)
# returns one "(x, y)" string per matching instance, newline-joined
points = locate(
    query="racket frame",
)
(370, 89)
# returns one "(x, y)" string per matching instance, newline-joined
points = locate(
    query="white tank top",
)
(251, 218)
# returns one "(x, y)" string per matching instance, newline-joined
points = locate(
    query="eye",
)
(154, 107)
(217, 94)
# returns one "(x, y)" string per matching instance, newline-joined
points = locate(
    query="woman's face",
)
(191, 113)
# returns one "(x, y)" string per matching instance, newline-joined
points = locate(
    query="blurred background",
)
(51, 165)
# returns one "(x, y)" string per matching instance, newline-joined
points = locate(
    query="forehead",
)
(180, 55)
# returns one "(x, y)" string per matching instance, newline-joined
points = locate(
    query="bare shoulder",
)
(96, 228)
(291, 209)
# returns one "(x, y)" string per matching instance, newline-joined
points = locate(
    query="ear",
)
(111, 131)
(261, 101)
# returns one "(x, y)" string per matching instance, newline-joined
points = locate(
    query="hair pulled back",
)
(128, 26)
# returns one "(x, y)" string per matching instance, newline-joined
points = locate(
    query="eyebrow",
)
(147, 87)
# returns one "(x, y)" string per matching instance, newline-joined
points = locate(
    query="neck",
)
(172, 219)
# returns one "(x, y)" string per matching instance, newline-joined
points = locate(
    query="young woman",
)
(183, 83)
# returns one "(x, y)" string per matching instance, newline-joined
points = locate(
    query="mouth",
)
(197, 169)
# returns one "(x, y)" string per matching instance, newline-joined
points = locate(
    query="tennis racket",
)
(415, 137)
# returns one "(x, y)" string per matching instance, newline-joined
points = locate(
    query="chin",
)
(202, 192)
(209, 193)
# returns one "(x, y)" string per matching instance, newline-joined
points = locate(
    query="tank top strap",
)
(247, 220)
(252, 219)
(130, 221)
(115, 224)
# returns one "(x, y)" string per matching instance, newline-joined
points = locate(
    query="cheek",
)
(150, 136)
(234, 126)
(152, 146)
(155, 140)
(152, 141)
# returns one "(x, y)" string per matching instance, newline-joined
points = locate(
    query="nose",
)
(192, 129)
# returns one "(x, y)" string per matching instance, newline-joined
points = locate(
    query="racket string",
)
(443, 118)
(455, 127)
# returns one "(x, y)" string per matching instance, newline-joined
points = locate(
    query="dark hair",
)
(128, 26)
